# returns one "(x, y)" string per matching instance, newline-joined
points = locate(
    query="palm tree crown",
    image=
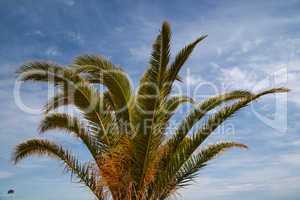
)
(125, 131)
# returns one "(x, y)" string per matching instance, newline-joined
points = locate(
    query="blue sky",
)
(251, 44)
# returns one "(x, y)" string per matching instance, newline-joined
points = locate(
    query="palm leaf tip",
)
(31, 147)
(277, 90)
(271, 91)
(165, 48)
(212, 151)
(201, 38)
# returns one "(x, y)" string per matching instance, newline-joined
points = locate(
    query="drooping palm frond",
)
(190, 169)
(47, 72)
(44, 147)
(97, 106)
(75, 90)
(100, 70)
(74, 126)
(88, 100)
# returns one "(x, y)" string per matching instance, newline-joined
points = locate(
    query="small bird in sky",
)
(11, 191)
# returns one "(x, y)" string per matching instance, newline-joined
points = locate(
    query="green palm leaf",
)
(201, 110)
(188, 146)
(175, 67)
(47, 72)
(73, 126)
(190, 169)
(165, 50)
(45, 147)
(100, 70)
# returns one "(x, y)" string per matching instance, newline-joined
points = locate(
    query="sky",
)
(250, 45)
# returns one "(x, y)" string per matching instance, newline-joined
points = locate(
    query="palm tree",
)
(125, 132)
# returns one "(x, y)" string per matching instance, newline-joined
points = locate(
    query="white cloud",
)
(238, 78)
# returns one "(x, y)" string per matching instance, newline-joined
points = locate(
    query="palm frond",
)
(75, 90)
(44, 147)
(201, 110)
(272, 91)
(188, 145)
(168, 107)
(148, 91)
(47, 72)
(145, 159)
(228, 111)
(100, 104)
(153, 71)
(101, 70)
(88, 101)
(171, 104)
(74, 126)
(167, 110)
(175, 67)
(191, 167)
(88, 63)
(165, 50)
(58, 100)
(216, 119)
(147, 102)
